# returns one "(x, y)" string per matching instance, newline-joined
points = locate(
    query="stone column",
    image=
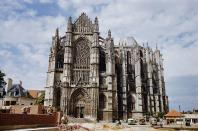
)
(68, 53)
(124, 84)
(94, 71)
(160, 84)
(64, 98)
(67, 67)
(138, 81)
(150, 81)
(110, 79)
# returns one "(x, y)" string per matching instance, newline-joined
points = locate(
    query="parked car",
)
(187, 122)
(142, 121)
(153, 121)
(131, 121)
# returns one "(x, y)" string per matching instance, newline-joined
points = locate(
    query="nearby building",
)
(174, 117)
(17, 95)
(193, 118)
(88, 76)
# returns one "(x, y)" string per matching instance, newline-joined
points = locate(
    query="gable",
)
(83, 24)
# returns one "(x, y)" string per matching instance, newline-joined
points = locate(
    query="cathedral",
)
(90, 76)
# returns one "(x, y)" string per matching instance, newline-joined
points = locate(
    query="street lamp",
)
(180, 115)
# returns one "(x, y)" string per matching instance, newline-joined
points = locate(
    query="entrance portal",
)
(79, 104)
(80, 112)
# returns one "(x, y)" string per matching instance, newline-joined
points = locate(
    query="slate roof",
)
(16, 91)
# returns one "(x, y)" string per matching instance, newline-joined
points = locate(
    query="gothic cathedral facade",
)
(90, 77)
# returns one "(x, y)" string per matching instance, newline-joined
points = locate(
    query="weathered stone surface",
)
(88, 76)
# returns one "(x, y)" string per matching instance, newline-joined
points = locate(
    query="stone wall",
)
(34, 109)
(30, 119)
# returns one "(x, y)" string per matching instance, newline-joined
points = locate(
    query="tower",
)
(49, 89)
(110, 112)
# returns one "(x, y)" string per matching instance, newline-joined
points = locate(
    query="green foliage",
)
(160, 114)
(147, 113)
(40, 99)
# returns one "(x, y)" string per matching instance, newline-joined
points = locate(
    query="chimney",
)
(9, 84)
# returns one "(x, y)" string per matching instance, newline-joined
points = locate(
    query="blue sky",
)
(28, 25)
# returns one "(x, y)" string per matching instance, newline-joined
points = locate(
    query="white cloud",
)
(36, 30)
(64, 4)
(179, 61)
(46, 1)
(24, 46)
(28, 1)
(158, 22)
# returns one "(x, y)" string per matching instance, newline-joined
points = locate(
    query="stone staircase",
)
(79, 120)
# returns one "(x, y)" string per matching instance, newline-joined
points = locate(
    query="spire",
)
(69, 24)
(55, 39)
(156, 47)
(70, 20)
(96, 29)
(96, 20)
(57, 33)
(109, 34)
(147, 44)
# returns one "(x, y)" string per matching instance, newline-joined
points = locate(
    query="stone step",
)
(79, 120)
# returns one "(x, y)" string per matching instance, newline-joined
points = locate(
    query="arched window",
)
(142, 68)
(128, 57)
(141, 53)
(60, 60)
(81, 61)
(154, 80)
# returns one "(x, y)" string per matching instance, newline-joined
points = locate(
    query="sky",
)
(27, 26)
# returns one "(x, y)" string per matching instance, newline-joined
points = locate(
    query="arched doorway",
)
(79, 103)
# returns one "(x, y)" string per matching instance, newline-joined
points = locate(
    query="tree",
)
(40, 99)
(160, 114)
(2, 83)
